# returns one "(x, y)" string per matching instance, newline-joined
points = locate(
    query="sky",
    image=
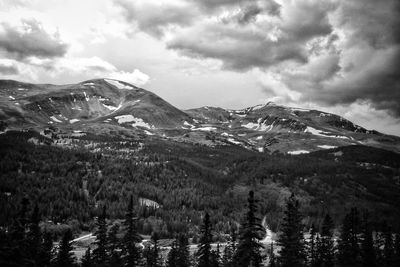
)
(339, 56)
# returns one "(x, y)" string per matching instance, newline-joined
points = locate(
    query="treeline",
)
(354, 243)
(70, 186)
(54, 178)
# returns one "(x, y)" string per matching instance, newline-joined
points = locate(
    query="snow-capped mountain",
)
(116, 108)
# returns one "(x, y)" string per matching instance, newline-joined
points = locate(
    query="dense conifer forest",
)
(24, 243)
(327, 210)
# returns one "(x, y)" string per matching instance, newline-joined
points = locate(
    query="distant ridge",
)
(112, 107)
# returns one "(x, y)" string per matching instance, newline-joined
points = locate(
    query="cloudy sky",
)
(340, 56)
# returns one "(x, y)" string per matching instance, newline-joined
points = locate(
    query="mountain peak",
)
(112, 107)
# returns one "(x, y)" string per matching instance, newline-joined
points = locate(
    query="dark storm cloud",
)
(254, 43)
(371, 51)
(374, 22)
(309, 19)
(272, 8)
(215, 4)
(31, 40)
(8, 69)
(239, 51)
(379, 84)
(154, 19)
(339, 52)
(249, 14)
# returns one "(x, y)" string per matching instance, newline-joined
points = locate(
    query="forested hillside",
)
(71, 185)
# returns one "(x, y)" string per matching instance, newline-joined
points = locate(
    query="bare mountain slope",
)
(105, 106)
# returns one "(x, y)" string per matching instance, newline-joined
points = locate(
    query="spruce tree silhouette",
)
(204, 249)
(291, 239)
(65, 256)
(248, 251)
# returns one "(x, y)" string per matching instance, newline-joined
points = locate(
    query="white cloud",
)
(135, 77)
(334, 54)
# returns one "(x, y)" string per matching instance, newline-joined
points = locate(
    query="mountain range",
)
(116, 108)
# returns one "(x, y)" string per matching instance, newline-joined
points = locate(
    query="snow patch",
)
(259, 137)
(11, 97)
(55, 119)
(86, 96)
(110, 107)
(298, 152)
(234, 141)
(327, 147)
(207, 129)
(300, 109)
(259, 126)
(119, 85)
(188, 124)
(136, 121)
(322, 133)
(21, 89)
(148, 133)
(250, 125)
(88, 84)
(226, 134)
(125, 118)
(73, 121)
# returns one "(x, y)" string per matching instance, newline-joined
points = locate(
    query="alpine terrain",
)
(114, 175)
(115, 108)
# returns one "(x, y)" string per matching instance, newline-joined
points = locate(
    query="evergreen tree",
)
(312, 247)
(172, 259)
(114, 247)
(4, 257)
(326, 248)
(183, 251)
(132, 257)
(348, 244)
(34, 238)
(227, 257)
(215, 260)
(65, 256)
(204, 248)
(100, 257)
(368, 253)
(17, 246)
(318, 253)
(87, 260)
(388, 248)
(291, 239)
(230, 249)
(251, 231)
(46, 250)
(233, 238)
(156, 260)
(397, 250)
